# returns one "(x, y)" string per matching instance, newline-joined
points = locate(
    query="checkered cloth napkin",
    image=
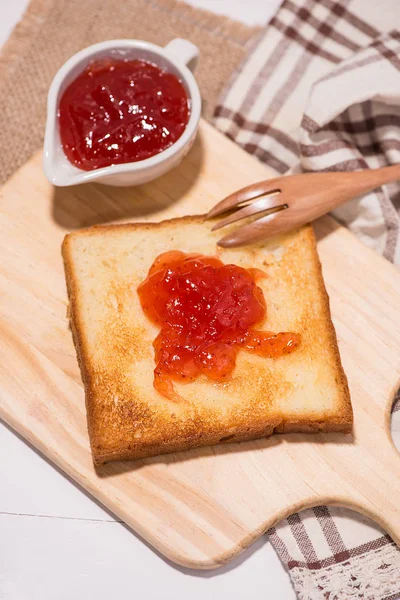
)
(320, 90)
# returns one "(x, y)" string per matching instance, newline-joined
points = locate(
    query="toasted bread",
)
(305, 391)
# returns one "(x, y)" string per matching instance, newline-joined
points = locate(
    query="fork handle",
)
(361, 182)
(316, 194)
(313, 195)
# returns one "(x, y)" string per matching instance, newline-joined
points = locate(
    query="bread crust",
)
(126, 449)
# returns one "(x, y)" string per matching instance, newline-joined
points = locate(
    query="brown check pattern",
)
(321, 91)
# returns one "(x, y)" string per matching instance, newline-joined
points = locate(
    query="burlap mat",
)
(53, 30)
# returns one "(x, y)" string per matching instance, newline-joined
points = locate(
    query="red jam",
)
(207, 311)
(120, 111)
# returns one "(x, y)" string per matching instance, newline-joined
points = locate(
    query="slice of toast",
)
(127, 418)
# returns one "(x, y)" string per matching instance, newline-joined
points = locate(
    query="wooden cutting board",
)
(199, 508)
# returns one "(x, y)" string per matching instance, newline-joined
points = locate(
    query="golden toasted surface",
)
(303, 391)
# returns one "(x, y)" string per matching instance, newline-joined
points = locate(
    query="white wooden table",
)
(56, 543)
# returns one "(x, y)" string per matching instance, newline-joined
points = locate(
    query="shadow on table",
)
(91, 204)
(116, 468)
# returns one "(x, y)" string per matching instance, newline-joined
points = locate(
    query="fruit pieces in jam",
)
(207, 311)
(120, 111)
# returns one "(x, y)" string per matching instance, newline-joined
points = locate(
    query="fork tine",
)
(264, 203)
(257, 230)
(250, 192)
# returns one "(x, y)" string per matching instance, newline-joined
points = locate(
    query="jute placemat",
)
(52, 30)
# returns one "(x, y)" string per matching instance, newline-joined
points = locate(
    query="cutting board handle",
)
(375, 489)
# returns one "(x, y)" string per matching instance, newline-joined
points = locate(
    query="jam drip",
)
(207, 311)
(119, 111)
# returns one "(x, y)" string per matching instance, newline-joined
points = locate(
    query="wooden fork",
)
(284, 203)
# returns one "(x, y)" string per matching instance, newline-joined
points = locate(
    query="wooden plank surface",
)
(199, 508)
